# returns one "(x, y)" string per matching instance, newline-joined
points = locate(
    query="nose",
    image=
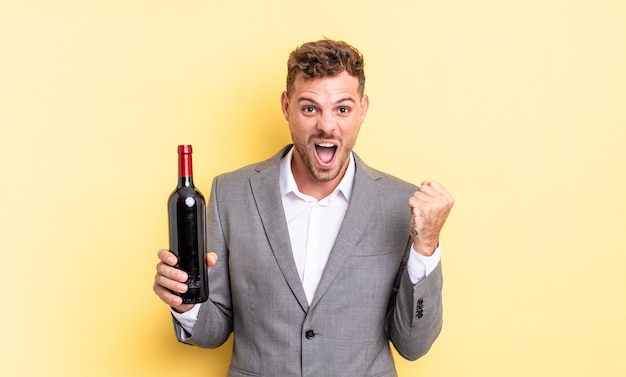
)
(326, 123)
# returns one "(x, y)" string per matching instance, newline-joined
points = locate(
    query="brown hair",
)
(325, 58)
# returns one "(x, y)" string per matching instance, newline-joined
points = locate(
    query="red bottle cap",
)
(184, 161)
(184, 148)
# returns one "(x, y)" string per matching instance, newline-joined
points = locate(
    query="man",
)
(315, 263)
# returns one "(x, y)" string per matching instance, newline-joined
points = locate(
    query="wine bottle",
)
(187, 228)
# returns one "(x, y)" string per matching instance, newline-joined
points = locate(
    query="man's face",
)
(324, 117)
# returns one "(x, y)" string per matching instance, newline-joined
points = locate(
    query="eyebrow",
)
(308, 99)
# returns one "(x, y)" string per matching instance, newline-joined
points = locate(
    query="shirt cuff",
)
(419, 266)
(187, 320)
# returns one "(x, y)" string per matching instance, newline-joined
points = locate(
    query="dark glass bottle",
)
(187, 223)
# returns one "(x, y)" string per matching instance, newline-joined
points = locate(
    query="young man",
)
(316, 264)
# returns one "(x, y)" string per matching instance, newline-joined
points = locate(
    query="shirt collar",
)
(288, 182)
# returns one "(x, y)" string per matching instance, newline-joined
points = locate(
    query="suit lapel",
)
(266, 192)
(359, 214)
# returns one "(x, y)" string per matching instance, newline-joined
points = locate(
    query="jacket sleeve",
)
(415, 315)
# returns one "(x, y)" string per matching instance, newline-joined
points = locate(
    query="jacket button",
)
(310, 334)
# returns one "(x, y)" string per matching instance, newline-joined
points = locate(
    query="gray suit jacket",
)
(364, 300)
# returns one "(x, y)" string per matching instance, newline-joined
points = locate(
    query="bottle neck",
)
(185, 169)
(185, 182)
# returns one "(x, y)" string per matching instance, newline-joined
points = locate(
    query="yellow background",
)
(518, 107)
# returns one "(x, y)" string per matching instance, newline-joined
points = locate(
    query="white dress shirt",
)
(313, 227)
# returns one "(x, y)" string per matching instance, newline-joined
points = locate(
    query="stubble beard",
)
(310, 161)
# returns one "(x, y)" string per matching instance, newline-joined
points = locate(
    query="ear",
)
(365, 104)
(284, 104)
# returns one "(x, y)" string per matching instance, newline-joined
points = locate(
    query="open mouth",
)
(325, 152)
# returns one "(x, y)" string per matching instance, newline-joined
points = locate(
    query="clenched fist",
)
(429, 207)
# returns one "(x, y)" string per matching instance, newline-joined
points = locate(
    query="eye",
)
(344, 110)
(308, 109)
